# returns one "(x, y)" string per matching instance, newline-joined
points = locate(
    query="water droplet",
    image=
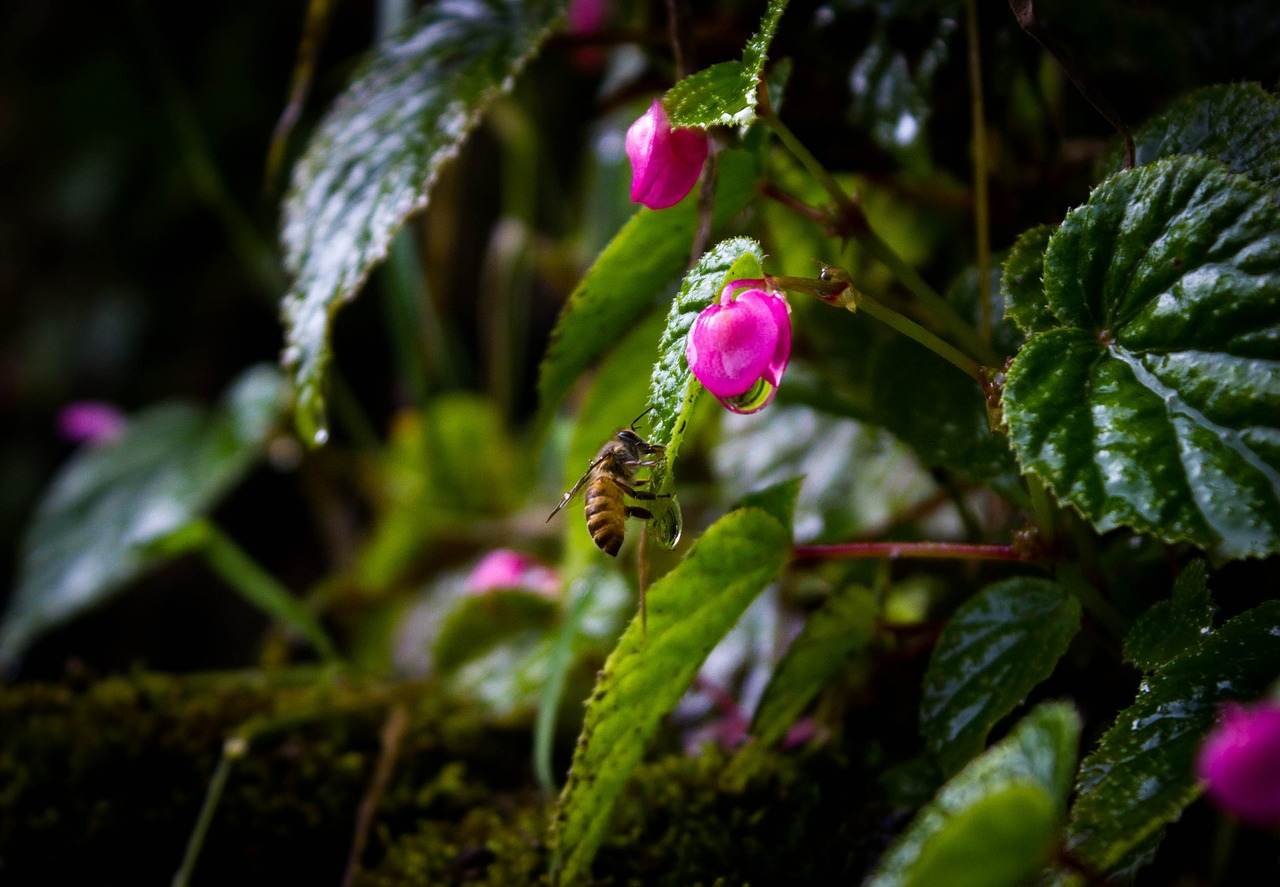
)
(753, 400)
(321, 437)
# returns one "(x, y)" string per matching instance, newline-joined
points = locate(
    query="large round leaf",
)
(1154, 402)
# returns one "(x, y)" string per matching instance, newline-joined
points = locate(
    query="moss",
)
(101, 783)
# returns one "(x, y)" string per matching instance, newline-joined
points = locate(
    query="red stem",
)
(934, 550)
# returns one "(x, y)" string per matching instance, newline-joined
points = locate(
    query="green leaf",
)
(995, 823)
(1237, 124)
(673, 390)
(858, 478)
(1155, 402)
(690, 609)
(940, 413)
(1022, 281)
(725, 93)
(1172, 627)
(997, 647)
(95, 528)
(629, 277)
(376, 155)
(844, 624)
(1141, 777)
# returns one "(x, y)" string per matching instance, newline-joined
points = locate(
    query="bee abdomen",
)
(606, 516)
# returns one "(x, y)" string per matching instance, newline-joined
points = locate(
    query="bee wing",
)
(573, 492)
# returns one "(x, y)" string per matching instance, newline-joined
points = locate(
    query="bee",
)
(610, 477)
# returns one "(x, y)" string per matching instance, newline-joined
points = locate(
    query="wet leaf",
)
(1154, 402)
(1236, 124)
(376, 155)
(629, 278)
(996, 823)
(1022, 281)
(96, 527)
(997, 647)
(1174, 626)
(690, 609)
(725, 93)
(1140, 777)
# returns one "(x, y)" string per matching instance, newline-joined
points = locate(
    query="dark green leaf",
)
(96, 526)
(1022, 281)
(645, 258)
(1140, 777)
(997, 647)
(690, 609)
(843, 625)
(376, 155)
(940, 413)
(1175, 626)
(997, 822)
(1237, 124)
(1156, 402)
(725, 93)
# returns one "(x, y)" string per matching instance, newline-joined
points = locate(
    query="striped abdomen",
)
(606, 514)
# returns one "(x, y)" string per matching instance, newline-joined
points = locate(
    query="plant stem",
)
(913, 330)
(254, 584)
(914, 550)
(233, 749)
(981, 198)
(1042, 509)
(855, 223)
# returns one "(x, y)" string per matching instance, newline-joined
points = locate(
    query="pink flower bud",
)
(665, 162)
(90, 421)
(504, 568)
(1239, 763)
(741, 345)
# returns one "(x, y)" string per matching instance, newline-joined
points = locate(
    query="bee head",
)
(636, 445)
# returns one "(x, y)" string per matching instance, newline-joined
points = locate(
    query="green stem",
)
(254, 584)
(232, 750)
(1042, 509)
(913, 330)
(981, 199)
(857, 224)
(544, 730)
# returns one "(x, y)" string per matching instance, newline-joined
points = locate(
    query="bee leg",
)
(644, 495)
(642, 513)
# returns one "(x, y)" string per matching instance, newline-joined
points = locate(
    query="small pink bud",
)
(665, 162)
(1239, 762)
(585, 18)
(504, 568)
(738, 343)
(90, 421)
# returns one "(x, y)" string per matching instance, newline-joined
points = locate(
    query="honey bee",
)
(610, 477)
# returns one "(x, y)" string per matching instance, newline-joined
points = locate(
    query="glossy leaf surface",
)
(1174, 626)
(997, 647)
(1154, 402)
(95, 529)
(376, 155)
(996, 822)
(1140, 776)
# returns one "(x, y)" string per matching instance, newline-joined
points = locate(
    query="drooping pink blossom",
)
(739, 342)
(665, 162)
(1239, 763)
(90, 421)
(504, 568)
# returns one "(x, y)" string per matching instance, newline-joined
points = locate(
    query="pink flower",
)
(504, 568)
(1239, 762)
(90, 421)
(665, 162)
(739, 348)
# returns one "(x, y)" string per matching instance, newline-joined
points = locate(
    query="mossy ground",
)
(101, 782)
